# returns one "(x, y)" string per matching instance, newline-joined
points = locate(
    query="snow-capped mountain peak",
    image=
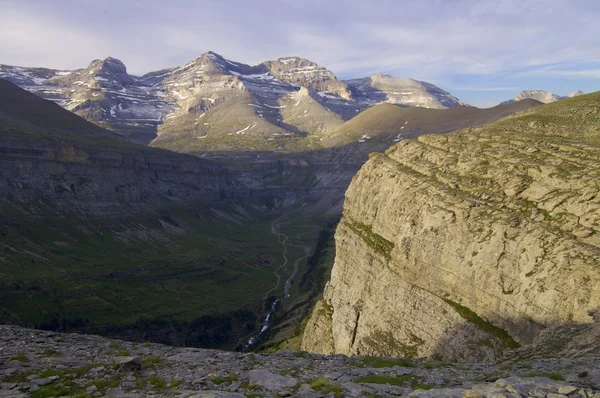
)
(213, 95)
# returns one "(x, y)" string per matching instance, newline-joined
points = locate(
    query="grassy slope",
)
(383, 120)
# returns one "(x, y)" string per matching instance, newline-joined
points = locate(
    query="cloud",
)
(558, 72)
(459, 41)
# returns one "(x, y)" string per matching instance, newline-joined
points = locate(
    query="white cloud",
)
(426, 39)
(31, 40)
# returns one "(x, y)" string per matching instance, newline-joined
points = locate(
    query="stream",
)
(283, 239)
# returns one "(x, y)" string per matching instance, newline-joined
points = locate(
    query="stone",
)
(128, 363)
(92, 389)
(270, 381)
(68, 361)
(42, 382)
(266, 376)
(566, 390)
(442, 392)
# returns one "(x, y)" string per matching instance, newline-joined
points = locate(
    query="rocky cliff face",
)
(305, 73)
(464, 245)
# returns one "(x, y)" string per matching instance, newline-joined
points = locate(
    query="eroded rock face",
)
(460, 246)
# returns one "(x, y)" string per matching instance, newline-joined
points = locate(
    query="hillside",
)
(462, 246)
(391, 123)
(101, 235)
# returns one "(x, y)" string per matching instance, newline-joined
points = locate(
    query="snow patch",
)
(325, 95)
(244, 129)
(258, 76)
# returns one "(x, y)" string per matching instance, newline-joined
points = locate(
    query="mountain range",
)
(211, 95)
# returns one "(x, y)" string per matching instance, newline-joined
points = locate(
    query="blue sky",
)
(481, 51)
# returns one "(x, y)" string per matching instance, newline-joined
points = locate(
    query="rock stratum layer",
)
(462, 246)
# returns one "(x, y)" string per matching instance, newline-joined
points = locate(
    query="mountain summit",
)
(541, 95)
(211, 96)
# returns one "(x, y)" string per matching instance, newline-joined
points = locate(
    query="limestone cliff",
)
(460, 246)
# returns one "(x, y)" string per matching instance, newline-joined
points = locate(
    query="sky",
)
(481, 51)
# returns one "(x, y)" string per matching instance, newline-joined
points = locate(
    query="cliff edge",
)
(466, 245)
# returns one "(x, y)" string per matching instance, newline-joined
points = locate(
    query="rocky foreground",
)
(45, 364)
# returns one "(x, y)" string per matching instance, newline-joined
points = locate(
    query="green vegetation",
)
(326, 387)
(505, 338)
(51, 353)
(551, 376)
(224, 379)
(151, 361)
(131, 273)
(376, 242)
(123, 352)
(157, 382)
(385, 342)
(21, 357)
(436, 365)
(64, 385)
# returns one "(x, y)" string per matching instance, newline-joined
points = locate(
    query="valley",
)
(226, 240)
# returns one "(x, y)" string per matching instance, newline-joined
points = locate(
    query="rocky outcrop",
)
(464, 245)
(37, 363)
(303, 72)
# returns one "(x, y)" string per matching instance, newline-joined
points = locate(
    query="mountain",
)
(401, 91)
(575, 94)
(219, 100)
(56, 155)
(466, 246)
(112, 225)
(540, 95)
